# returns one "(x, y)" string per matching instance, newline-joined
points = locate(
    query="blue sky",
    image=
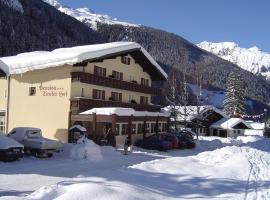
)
(246, 22)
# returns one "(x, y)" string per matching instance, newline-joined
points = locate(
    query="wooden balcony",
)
(83, 104)
(113, 83)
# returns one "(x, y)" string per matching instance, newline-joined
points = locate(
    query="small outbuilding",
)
(76, 132)
(229, 127)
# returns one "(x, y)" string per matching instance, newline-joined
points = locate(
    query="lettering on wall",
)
(53, 91)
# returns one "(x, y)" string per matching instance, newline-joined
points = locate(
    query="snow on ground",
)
(219, 168)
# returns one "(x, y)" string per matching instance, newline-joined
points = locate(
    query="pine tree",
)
(173, 98)
(177, 98)
(235, 96)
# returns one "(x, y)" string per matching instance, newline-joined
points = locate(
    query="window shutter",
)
(104, 71)
(141, 99)
(120, 96)
(103, 94)
(96, 70)
(121, 76)
(146, 100)
(142, 81)
(94, 94)
(128, 60)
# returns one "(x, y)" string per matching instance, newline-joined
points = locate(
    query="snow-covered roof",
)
(188, 113)
(81, 128)
(229, 123)
(256, 125)
(123, 112)
(24, 62)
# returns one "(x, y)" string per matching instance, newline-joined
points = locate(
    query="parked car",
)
(186, 138)
(154, 143)
(170, 138)
(33, 141)
(10, 150)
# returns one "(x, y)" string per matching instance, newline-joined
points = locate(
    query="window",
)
(75, 78)
(32, 91)
(2, 122)
(164, 128)
(125, 60)
(144, 82)
(74, 104)
(117, 75)
(82, 92)
(124, 129)
(143, 100)
(117, 131)
(99, 71)
(160, 127)
(116, 96)
(140, 128)
(153, 125)
(98, 94)
(147, 130)
(133, 129)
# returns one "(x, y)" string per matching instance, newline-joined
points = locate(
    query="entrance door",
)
(104, 133)
(222, 133)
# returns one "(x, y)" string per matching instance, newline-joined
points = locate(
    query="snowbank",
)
(86, 149)
(220, 168)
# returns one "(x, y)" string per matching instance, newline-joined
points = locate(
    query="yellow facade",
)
(130, 72)
(3, 103)
(88, 92)
(49, 108)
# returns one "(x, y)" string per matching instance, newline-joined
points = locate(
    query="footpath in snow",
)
(219, 168)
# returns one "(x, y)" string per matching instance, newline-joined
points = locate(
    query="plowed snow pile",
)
(86, 149)
(237, 169)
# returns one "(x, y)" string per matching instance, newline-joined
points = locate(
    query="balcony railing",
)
(113, 83)
(83, 104)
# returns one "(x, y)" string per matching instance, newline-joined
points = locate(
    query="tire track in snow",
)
(257, 174)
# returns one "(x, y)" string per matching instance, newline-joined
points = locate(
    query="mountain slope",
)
(252, 59)
(173, 51)
(87, 16)
(34, 25)
(42, 27)
(14, 4)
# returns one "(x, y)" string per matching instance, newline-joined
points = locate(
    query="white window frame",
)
(3, 119)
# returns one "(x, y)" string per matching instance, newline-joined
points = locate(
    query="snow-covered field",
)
(216, 169)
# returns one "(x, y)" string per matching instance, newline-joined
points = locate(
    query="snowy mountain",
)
(14, 4)
(87, 16)
(252, 59)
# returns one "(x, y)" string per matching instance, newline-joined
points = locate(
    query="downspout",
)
(8, 103)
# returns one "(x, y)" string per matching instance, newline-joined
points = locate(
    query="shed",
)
(229, 127)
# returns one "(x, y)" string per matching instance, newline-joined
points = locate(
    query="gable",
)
(240, 125)
(139, 58)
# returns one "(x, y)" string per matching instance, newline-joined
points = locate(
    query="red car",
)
(172, 139)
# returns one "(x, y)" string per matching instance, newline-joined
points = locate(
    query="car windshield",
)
(33, 133)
